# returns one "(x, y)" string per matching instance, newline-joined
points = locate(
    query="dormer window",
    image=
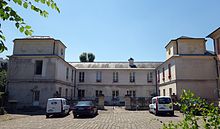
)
(169, 51)
(61, 52)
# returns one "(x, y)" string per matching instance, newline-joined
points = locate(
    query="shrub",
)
(192, 106)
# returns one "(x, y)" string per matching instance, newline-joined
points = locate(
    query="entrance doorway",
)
(36, 98)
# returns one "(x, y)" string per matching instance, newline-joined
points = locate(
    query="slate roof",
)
(114, 65)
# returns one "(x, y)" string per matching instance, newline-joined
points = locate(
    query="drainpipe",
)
(74, 95)
(217, 69)
(156, 82)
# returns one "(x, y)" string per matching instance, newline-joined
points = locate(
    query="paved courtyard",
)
(117, 118)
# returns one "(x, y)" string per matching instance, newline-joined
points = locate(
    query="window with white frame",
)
(150, 77)
(115, 76)
(98, 76)
(131, 93)
(72, 75)
(81, 76)
(67, 73)
(98, 93)
(132, 76)
(170, 91)
(38, 67)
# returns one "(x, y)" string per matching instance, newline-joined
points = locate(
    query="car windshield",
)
(164, 100)
(84, 103)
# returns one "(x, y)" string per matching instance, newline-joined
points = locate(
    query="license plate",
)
(81, 108)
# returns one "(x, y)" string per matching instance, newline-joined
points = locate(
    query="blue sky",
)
(115, 30)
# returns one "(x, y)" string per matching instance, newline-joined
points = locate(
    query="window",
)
(159, 92)
(169, 51)
(132, 77)
(131, 93)
(115, 94)
(67, 73)
(158, 76)
(36, 95)
(115, 76)
(164, 101)
(81, 93)
(98, 92)
(61, 51)
(60, 91)
(170, 91)
(98, 76)
(72, 75)
(66, 92)
(150, 77)
(169, 68)
(164, 93)
(38, 67)
(81, 76)
(163, 74)
(154, 101)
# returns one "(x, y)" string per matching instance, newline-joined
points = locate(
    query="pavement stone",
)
(117, 118)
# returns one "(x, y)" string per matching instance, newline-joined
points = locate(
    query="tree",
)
(3, 75)
(83, 57)
(2, 80)
(7, 13)
(87, 57)
(91, 57)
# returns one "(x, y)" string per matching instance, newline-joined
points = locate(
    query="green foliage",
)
(192, 106)
(7, 13)
(91, 57)
(87, 57)
(83, 57)
(3, 80)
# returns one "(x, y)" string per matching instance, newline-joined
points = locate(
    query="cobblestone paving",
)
(117, 118)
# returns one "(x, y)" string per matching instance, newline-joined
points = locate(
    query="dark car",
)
(85, 108)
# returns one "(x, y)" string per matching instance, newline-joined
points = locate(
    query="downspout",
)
(74, 95)
(217, 80)
(156, 82)
(217, 68)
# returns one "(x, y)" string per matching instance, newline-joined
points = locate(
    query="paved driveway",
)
(117, 118)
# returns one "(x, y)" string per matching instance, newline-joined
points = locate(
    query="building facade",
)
(114, 80)
(188, 66)
(38, 71)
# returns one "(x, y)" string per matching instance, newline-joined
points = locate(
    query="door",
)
(115, 96)
(36, 98)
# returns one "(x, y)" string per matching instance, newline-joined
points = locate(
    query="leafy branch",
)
(7, 13)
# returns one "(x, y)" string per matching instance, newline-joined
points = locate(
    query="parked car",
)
(161, 105)
(86, 108)
(57, 106)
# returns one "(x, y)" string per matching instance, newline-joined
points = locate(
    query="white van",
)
(161, 104)
(57, 106)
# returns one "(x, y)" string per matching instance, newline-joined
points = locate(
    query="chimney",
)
(131, 62)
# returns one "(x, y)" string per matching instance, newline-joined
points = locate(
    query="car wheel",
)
(47, 116)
